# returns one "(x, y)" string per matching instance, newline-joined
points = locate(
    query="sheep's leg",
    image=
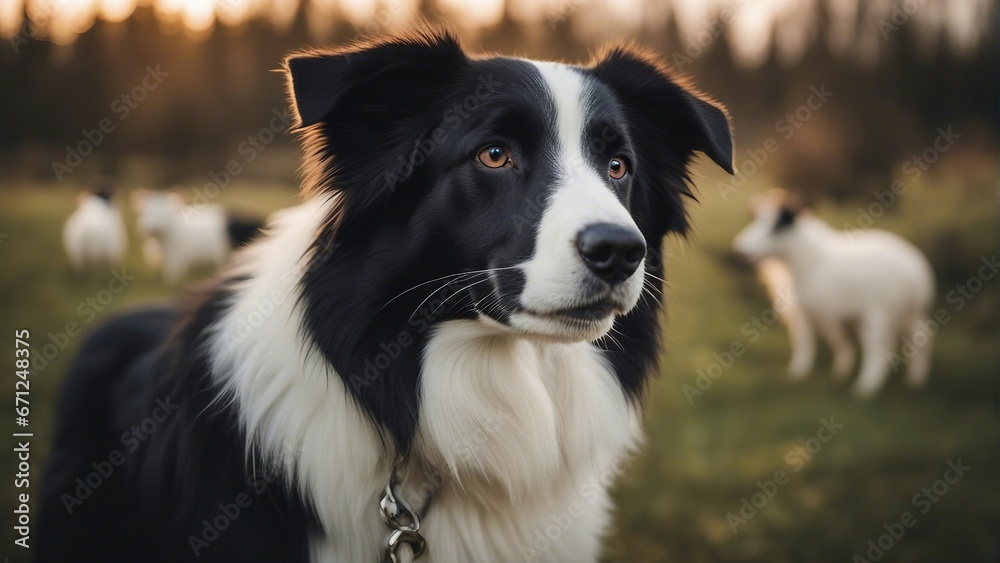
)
(920, 362)
(777, 279)
(803, 341)
(878, 340)
(843, 351)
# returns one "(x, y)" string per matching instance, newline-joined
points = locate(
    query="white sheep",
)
(178, 237)
(94, 235)
(871, 279)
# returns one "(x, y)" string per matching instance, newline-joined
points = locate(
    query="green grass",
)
(700, 459)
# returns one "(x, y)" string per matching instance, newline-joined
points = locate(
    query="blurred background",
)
(856, 96)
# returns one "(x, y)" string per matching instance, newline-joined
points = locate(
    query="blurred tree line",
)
(216, 92)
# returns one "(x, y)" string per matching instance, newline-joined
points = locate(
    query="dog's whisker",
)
(459, 292)
(657, 300)
(456, 277)
(478, 304)
(620, 333)
(655, 277)
(419, 285)
(431, 294)
(487, 272)
(495, 306)
(612, 338)
(652, 286)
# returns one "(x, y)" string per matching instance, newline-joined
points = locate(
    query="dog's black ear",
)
(667, 122)
(716, 138)
(315, 83)
(370, 104)
(687, 119)
(321, 81)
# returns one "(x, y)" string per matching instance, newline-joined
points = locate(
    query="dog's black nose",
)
(610, 251)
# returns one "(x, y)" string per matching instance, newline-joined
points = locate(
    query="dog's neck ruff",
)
(508, 426)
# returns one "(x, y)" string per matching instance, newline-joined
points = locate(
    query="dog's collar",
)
(404, 543)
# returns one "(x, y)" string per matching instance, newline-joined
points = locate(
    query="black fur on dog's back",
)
(159, 504)
(87, 413)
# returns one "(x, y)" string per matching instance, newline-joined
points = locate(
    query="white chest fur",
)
(529, 436)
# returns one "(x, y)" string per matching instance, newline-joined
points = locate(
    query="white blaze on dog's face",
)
(587, 266)
(774, 215)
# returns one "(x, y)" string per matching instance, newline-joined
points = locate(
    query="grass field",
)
(704, 453)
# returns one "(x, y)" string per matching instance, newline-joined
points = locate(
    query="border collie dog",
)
(465, 304)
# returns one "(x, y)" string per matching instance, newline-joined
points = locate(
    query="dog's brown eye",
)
(495, 156)
(617, 168)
